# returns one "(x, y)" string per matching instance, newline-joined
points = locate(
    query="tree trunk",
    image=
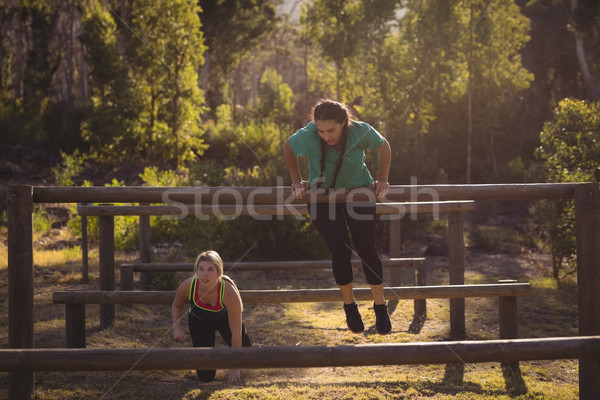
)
(175, 118)
(592, 84)
(470, 102)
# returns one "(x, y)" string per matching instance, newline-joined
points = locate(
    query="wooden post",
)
(144, 245)
(507, 308)
(395, 250)
(107, 267)
(509, 329)
(457, 274)
(20, 283)
(84, 249)
(587, 223)
(126, 277)
(420, 305)
(455, 372)
(75, 325)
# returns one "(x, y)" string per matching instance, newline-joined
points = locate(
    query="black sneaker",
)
(353, 319)
(383, 325)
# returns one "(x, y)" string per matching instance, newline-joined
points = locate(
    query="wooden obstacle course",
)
(587, 210)
(75, 301)
(299, 356)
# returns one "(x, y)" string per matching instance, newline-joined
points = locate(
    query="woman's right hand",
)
(299, 189)
(178, 334)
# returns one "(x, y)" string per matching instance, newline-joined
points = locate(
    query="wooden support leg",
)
(75, 325)
(457, 274)
(509, 329)
(144, 245)
(20, 283)
(454, 373)
(107, 267)
(420, 280)
(126, 277)
(587, 224)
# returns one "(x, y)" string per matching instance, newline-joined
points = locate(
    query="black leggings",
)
(203, 330)
(333, 226)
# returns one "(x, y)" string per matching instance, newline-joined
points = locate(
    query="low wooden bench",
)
(127, 270)
(75, 301)
(416, 263)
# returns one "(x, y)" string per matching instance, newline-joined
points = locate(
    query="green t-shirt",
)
(354, 172)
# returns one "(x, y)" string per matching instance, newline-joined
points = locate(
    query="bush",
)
(41, 222)
(569, 152)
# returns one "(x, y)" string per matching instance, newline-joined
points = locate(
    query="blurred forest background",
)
(178, 92)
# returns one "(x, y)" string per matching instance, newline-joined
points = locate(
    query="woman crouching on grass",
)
(215, 305)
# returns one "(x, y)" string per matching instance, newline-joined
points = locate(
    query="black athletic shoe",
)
(383, 325)
(353, 319)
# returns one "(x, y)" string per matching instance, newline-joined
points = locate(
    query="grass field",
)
(550, 311)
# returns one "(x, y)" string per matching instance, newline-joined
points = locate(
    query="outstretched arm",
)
(233, 303)
(385, 159)
(298, 185)
(177, 308)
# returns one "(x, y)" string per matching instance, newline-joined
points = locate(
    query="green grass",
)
(550, 311)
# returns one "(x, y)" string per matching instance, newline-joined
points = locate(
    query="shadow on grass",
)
(158, 385)
(417, 323)
(515, 385)
(454, 374)
(397, 389)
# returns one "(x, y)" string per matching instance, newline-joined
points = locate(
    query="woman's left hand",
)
(233, 376)
(381, 189)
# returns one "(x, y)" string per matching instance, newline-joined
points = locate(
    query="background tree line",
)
(465, 91)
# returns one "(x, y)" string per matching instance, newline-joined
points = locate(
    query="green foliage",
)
(569, 152)
(41, 222)
(206, 174)
(152, 176)
(163, 281)
(498, 238)
(149, 107)
(17, 124)
(344, 31)
(275, 99)
(232, 29)
(556, 222)
(244, 145)
(416, 82)
(570, 145)
(516, 171)
(71, 166)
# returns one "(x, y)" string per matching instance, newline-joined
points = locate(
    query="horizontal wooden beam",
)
(299, 295)
(268, 265)
(298, 356)
(183, 210)
(282, 194)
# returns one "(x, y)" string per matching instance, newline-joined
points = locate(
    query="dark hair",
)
(327, 109)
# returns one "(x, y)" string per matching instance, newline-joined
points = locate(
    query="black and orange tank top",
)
(194, 297)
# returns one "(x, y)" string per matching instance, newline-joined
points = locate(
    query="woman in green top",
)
(335, 146)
